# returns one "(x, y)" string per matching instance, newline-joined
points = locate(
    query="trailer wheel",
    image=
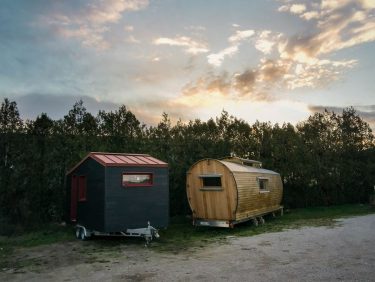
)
(261, 220)
(255, 222)
(80, 233)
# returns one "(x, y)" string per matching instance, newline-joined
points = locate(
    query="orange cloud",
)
(91, 21)
(208, 84)
(248, 84)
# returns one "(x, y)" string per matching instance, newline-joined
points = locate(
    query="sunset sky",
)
(264, 60)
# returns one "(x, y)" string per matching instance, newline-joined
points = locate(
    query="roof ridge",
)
(123, 154)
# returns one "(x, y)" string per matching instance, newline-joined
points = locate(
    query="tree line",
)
(327, 159)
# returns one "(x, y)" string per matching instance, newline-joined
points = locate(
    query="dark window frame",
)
(263, 184)
(127, 184)
(211, 187)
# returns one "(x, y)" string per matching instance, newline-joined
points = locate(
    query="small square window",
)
(263, 184)
(137, 179)
(211, 182)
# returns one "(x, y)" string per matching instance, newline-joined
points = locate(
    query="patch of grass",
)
(45, 235)
(181, 235)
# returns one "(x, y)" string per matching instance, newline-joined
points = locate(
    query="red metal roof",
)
(122, 159)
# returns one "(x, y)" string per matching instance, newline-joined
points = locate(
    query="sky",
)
(266, 60)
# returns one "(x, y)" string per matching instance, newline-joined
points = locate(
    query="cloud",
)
(368, 4)
(241, 35)
(297, 8)
(208, 84)
(89, 36)
(316, 74)
(339, 25)
(191, 46)
(90, 22)
(195, 28)
(129, 28)
(56, 106)
(132, 39)
(294, 8)
(266, 41)
(292, 62)
(367, 113)
(283, 8)
(244, 82)
(252, 83)
(208, 106)
(272, 71)
(216, 59)
(310, 15)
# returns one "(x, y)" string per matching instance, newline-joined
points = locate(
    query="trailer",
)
(225, 192)
(148, 233)
(117, 194)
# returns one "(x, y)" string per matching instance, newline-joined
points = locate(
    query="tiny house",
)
(111, 193)
(232, 190)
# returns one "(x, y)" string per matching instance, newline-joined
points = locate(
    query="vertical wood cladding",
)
(211, 204)
(239, 197)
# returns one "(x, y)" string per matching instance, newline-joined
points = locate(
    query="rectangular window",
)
(82, 188)
(211, 182)
(137, 179)
(263, 184)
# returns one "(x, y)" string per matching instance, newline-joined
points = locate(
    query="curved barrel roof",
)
(236, 167)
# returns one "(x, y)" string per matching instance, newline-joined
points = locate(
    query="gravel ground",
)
(344, 252)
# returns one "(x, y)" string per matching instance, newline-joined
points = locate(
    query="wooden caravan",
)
(232, 190)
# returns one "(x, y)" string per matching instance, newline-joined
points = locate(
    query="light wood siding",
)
(251, 201)
(218, 205)
(240, 197)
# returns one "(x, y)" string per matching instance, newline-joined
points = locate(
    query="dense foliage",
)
(327, 159)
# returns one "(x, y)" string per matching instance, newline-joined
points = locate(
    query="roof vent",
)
(247, 162)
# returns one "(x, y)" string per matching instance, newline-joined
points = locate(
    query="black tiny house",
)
(113, 192)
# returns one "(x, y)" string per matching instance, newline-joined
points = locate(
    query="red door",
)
(73, 199)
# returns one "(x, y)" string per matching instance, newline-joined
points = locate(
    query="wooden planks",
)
(215, 204)
(250, 199)
(240, 197)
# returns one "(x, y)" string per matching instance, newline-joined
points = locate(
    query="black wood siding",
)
(90, 213)
(132, 207)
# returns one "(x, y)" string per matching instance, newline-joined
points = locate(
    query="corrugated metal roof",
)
(122, 159)
(235, 167)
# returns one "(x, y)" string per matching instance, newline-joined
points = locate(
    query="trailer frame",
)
(148, 233)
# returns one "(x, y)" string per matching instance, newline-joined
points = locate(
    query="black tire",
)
(78, 232)
(261, 220)
(82, 235)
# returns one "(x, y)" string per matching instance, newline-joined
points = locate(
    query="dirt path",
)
(345, 252)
